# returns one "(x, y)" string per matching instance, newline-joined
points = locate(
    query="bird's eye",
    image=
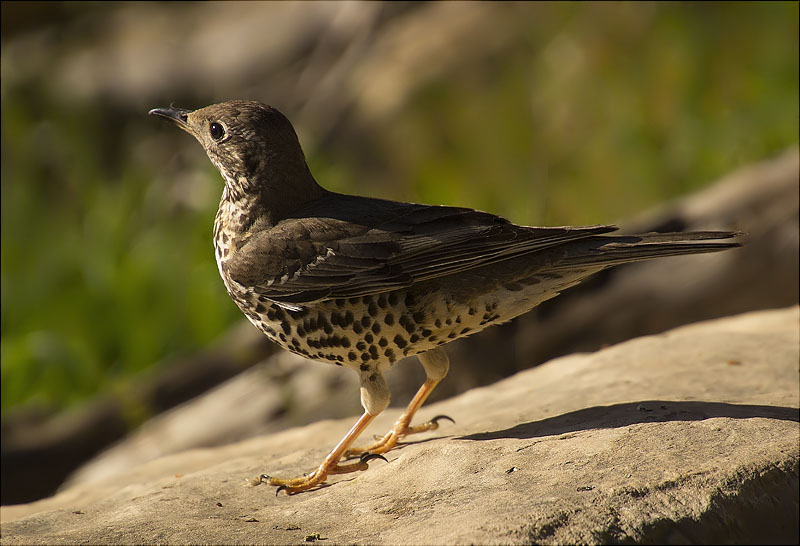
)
(217, 131)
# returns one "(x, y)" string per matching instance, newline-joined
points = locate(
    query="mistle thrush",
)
(361, 282)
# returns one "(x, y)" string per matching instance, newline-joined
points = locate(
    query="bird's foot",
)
(318, 476)
(387, 442)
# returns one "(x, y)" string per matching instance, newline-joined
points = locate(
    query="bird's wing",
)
(302, 260)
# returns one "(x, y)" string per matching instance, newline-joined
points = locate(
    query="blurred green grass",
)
(101, 275)
(107, 265)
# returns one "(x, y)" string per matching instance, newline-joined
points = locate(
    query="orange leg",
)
(401, 427)
(329, 466)
(436, 365)
(374, 398)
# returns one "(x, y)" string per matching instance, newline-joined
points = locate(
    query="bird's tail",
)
(608, 250)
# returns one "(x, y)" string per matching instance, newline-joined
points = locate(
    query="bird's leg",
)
(436, 365)
(374, 398)
(329, 466)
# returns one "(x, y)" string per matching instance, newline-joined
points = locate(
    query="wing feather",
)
(307, 259)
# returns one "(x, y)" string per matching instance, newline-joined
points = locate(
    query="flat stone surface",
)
(687, 436)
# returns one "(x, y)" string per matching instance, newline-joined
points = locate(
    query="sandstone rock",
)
(687, 436)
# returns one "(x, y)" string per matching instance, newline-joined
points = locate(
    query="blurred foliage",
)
(101, 275)
(607, 113)
(107, 264)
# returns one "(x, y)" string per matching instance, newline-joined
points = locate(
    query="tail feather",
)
(608, 250)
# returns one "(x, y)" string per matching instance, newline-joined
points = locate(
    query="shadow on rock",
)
(630, 413)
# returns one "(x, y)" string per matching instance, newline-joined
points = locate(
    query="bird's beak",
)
(178, 115)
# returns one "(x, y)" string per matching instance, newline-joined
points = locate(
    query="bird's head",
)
(253, 146)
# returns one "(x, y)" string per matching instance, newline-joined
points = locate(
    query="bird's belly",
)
(368, 330)
(380, 329)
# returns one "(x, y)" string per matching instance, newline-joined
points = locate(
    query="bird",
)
(362, 283)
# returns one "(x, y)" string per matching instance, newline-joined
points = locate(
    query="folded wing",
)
(307, 259)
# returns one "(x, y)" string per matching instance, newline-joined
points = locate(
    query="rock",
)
(687, 436)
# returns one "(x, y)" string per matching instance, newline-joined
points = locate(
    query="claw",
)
(439, 417)
(367, 457)
(263, 478)
(279, 489)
